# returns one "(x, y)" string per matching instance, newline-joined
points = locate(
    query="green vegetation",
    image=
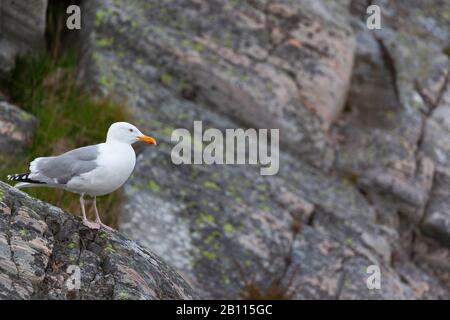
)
(211, 185)
(153, 186)
(228, 228)
(123, 295)
(67, 118)
(166, 79)
(23, 233)
(108, 249)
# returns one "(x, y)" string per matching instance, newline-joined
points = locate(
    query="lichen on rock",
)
(39, 244)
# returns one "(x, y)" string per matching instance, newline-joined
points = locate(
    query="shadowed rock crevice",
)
(389, 63)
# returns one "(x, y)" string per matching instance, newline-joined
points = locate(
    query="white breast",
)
(115, 164)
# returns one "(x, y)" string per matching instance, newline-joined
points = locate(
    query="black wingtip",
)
(21, 177)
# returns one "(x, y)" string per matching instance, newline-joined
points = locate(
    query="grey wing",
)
(60, 169)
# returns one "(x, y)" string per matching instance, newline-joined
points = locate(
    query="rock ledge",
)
(39, 243)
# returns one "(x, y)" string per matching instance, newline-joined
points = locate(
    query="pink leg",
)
(86, 222)
(97, 216)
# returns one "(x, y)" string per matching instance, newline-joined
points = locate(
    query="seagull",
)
(93, 170)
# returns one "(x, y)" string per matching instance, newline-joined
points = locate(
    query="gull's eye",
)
(131, 130)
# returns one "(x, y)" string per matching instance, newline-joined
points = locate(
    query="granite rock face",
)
(41, 245)
(397, 81)
(437, 126)
(16, 130)
(22, 27)
(354, 183)
(393, 138)
(268, 65)
(364, 175)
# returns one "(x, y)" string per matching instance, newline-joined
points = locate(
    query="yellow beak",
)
(147, 139)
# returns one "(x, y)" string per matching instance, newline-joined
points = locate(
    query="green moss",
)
(231, 72)
(105, 81)
(187, 43)
(211, 185)
(153, 186)
(105, 42)
(197, 47)
(261, 187)
(71, 245)
(212, 238)
(103, 235)
(166, 79)
(205, 218)
(445, 13)
(100, 15)
(228, 228)
(23, 232)
(108, 249)
(209, 255)
(25, 115)
(134, 24)
(234, 3)
(123, 295)
(158, 30)
(264, 207)
(228, 40)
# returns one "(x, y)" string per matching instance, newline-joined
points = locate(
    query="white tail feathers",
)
(23, 185)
